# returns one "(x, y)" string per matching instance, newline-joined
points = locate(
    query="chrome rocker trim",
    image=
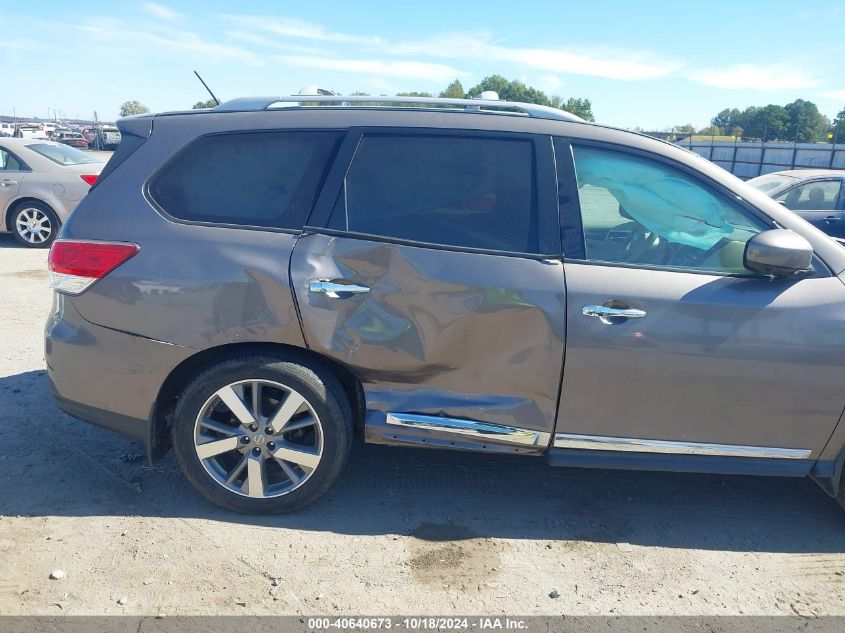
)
(633, 445)
(479, 430)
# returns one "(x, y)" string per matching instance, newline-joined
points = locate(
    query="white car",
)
(40, 184)
(109, 137)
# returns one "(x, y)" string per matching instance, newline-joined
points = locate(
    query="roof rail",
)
(248, 104)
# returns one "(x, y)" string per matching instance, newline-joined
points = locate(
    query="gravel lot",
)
(403, 532)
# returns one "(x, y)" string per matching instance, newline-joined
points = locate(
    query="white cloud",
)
(278, 44)
(379, 67)
(599, 62)
(289, 27)
(835, 94)
(22, 44)
(162, 12)
(121, 38)
(769, 77)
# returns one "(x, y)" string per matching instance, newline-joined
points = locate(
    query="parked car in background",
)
(417, 275)
(109, 137)
(817, 195)
(89, 134)
(31, 130)
(7, 129)
(74, 139)
(40, 184)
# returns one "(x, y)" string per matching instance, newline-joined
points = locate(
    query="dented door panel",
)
(438, 332)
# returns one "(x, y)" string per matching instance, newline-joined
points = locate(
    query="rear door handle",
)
(335, 290)
(9, 183)
(831, 219)
(603, 312)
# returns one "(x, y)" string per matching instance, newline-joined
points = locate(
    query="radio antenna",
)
(216, 100)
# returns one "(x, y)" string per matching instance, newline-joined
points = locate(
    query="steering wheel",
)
(642, 246)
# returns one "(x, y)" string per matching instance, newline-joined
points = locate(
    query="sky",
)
(651, 64)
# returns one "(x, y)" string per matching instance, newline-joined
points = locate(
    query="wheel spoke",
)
(237, 470)
(300, 424)
(256, 400)
(298, 456)
(236, 405)
(289, 408)
(294, 477)
(220, 427)
(216, 447)
(256, 477)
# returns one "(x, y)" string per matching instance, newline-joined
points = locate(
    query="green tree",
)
(767, 123)
(686, 128)
(725, 118)
(454, 90)
(837, 128)
(199, 105)
(579, 107)
(806, 124)
(133, 107)
(415, 94)
(711, 130)
(517, 91)
(510, 90)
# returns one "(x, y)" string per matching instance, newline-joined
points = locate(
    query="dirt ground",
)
(403, 531)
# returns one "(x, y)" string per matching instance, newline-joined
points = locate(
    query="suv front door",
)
(430, 268)
(676, 355)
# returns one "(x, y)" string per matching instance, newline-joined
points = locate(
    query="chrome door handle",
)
(603, 312)
(9, 183)
(335, 290)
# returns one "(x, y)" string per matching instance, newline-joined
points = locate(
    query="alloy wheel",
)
(34, 225)
(258, 438)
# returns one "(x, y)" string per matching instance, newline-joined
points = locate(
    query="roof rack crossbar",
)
(249, 104)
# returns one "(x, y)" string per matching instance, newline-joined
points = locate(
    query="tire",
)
(262, 472)
(34, 224)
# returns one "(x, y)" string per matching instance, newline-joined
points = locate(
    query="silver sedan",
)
(40, 184)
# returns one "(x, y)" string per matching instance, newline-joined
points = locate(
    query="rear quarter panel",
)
(190, 285)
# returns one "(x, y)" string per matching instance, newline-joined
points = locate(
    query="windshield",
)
(769, 183)
(62, 154)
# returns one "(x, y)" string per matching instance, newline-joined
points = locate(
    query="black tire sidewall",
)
(321, 390)
(54, 220)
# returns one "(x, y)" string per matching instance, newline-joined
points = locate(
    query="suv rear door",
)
(431, 269)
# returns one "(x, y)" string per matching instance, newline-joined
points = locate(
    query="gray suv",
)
(257, 283)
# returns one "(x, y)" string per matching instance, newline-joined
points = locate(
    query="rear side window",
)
(476, 192)
(8, 162)
(818, 195)
(264, 179)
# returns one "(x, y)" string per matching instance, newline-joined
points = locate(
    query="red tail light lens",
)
(75, 265)
(89, 178)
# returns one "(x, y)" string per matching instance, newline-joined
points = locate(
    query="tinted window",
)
(457, 191)
(253, 179)
(638, 211)
(62, 154)
(819, 195)
(9, 162)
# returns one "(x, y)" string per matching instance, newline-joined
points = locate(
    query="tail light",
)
(89, 178)
(75, 265)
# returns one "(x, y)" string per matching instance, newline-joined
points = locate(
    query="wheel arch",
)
(17, 202)
(158, 440)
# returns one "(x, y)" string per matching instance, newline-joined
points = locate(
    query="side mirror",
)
(778, 252)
